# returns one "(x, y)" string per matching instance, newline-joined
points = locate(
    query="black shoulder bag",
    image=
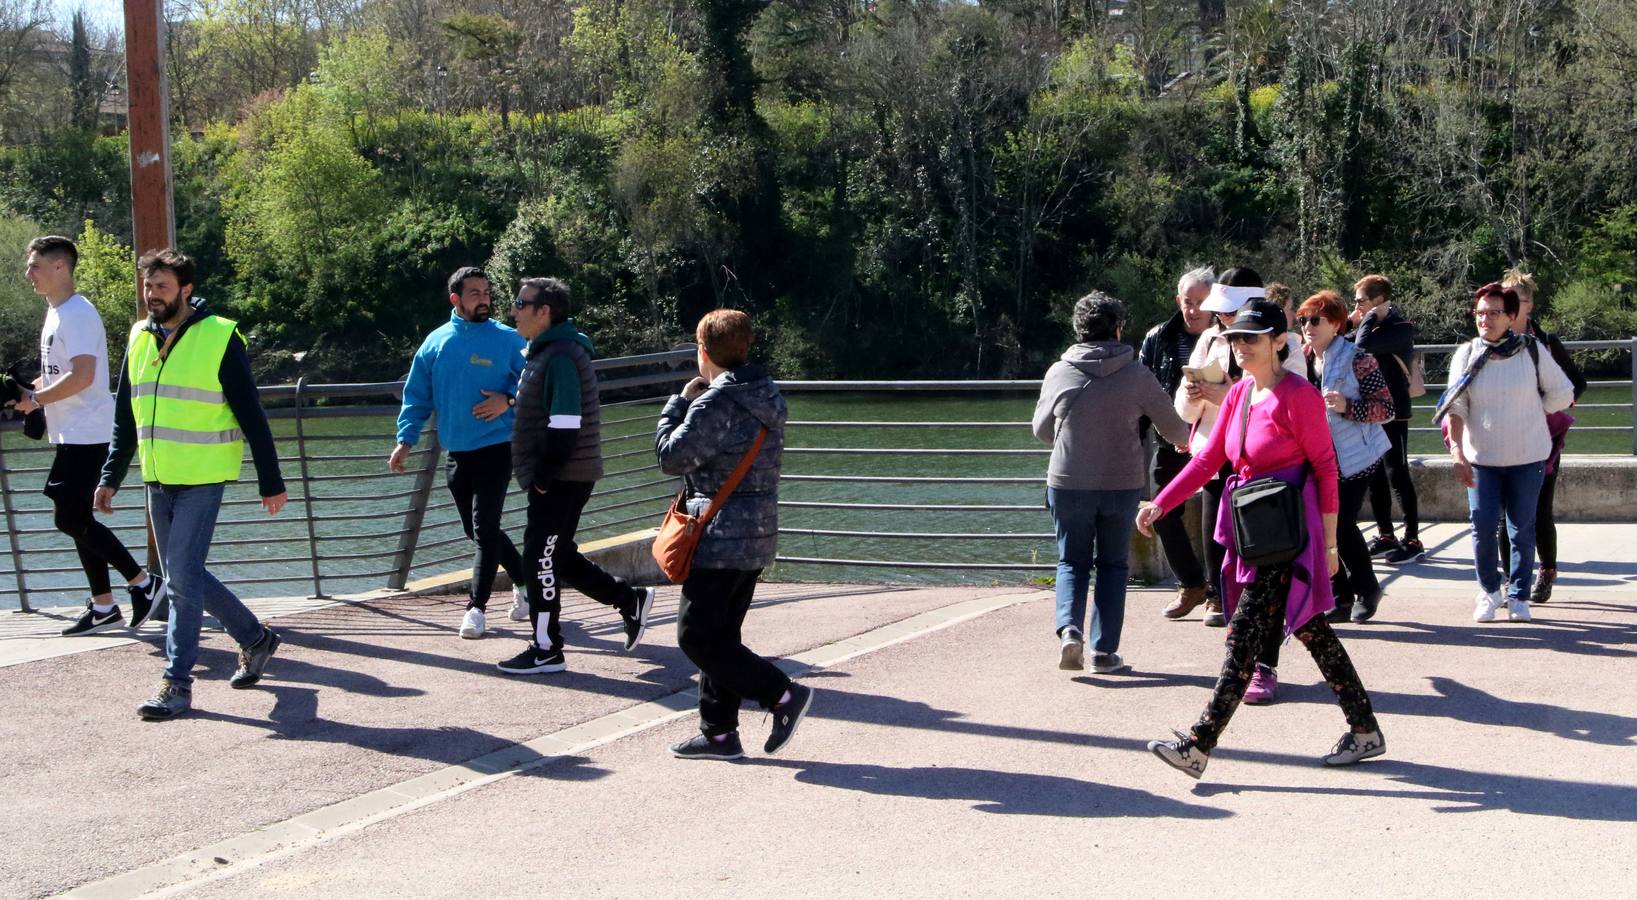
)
(1268, 522)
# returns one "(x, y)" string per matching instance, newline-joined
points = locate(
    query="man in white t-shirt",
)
(79, 413)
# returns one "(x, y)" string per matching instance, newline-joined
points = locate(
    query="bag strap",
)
(1070, 405)
(1244, 420)
(738, 475)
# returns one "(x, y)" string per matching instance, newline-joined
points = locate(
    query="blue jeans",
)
(1511, 491)
(184, 520)
(1093, 532)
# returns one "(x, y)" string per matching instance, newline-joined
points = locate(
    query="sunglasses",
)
(1310, 320)
(1242, 337)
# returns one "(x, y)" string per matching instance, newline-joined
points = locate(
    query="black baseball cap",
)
(1258, 317)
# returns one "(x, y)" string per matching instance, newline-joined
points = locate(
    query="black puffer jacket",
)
(703, 442)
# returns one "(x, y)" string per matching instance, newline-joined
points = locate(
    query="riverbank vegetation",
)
(894, 189)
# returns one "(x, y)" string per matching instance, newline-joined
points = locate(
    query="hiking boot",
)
(93, 622)
(534, 661)
(702, 746)
(1488, 603)
(1107, 663)
(1354, 747)
(1517, 610)
(1407, 552)
(146, 600)
(1181, 754)
(1364, 608)
(473, 624)
(1071, 657)
(1263, 687)
(172, 700)
(787, 716)
(637, 622)
(1213, 613)
(1543, 586)
(520, 605)
(253, 659)
(1381, 545)
(1188, 599)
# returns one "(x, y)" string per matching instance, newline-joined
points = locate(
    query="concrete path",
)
(946, 756)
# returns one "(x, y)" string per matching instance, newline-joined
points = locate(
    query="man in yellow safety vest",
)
(188, 404)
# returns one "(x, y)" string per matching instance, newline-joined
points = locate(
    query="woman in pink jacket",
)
(1274, 425)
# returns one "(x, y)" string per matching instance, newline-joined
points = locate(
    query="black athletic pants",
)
(72, 485)
(1393, 477)
(1173, 532)
(478, 480)
(714, 603)
(548, 542)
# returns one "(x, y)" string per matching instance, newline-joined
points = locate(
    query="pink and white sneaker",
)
(1264, 686)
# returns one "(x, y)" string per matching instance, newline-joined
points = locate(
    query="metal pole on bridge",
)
(1634, 396)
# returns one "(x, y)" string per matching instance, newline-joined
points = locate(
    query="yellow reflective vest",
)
(186, 434)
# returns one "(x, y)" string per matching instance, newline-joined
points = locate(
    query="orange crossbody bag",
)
(679, 533)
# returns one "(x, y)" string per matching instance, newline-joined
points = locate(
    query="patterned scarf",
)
(1504, 348)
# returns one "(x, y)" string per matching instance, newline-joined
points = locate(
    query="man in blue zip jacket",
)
(466, 371)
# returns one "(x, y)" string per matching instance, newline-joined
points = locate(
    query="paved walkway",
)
(946, 756)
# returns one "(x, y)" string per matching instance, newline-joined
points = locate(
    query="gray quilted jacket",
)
(704, 440)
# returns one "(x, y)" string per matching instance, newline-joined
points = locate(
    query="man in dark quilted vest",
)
(557, 458)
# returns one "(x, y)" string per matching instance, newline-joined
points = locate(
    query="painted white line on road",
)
(281, 839)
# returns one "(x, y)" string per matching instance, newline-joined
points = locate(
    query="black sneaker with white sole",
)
(145, 601)
(704, 747)
(1407, 552)
(1381, 545)
(787, 716)
(253, 659)
(637, 623)
(534, 661)
(93, 622)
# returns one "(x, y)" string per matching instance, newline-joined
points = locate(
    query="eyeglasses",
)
(1310, 320)
(1486, 313)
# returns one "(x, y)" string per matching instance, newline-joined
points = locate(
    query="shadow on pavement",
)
(1005, 793)
(1462, 791)
(1544, 633)
(1455, 701)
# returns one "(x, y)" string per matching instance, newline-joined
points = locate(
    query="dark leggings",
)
(1393, 477)
(1262, 609)
(1545, 526)
(1356, 578)
(1216, 554)
(97, 546)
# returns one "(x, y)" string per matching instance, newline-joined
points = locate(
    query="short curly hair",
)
(1098, 317)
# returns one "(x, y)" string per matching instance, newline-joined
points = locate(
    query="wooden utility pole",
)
(153, 215)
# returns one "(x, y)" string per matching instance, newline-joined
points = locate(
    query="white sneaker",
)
(520, 605)
(1488, 603)
(1072, 656)
(1518, 610)
(472, 626)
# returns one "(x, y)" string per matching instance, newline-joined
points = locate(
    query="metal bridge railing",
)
(350, 524)
(962, 492)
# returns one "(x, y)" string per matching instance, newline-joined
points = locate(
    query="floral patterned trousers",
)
(1261, 611)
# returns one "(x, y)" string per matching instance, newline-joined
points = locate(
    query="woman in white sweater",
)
(1502, 386)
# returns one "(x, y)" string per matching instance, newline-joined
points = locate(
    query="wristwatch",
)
(511, 400)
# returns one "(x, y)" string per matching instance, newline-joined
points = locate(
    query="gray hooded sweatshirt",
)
(1091, 409)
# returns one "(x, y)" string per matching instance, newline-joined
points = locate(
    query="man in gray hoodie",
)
(1090, 410)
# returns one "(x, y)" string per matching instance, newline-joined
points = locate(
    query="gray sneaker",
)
(1354, 747)
(253, 659)
(1107, 663)
(172, 700)
(1071, 657)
